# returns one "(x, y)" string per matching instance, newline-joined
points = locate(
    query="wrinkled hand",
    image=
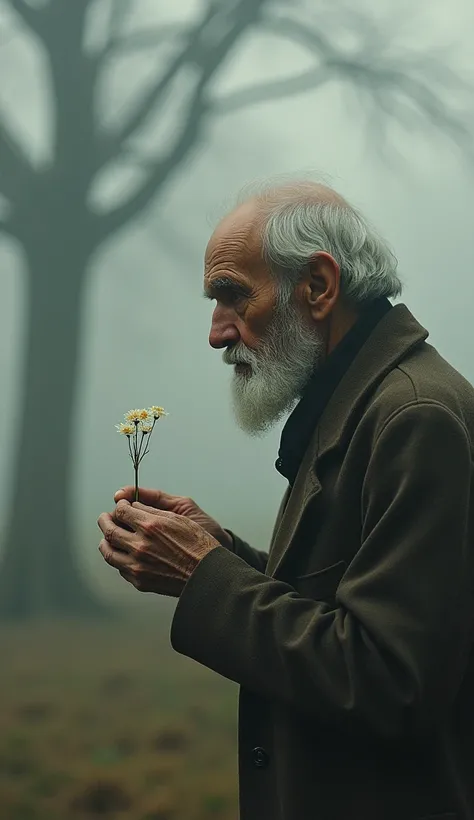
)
(155, 550)
(181, 505)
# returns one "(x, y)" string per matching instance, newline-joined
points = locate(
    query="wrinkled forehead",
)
(237, 239)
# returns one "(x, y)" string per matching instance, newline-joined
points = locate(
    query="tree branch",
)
(119, 10)
(305, 35)
(29, 15)
(160, 170)
(141, 40)
(196, 52)
(265, 92)
(376, 73)
(245, 13)
(16, 171)
(386, 85)
(148, 101)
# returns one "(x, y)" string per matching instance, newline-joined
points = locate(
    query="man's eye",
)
(233, 297)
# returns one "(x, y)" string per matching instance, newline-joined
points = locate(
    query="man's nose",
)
(223, 331)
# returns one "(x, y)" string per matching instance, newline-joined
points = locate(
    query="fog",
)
(144, 322)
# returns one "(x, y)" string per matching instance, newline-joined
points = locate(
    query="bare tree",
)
(50, 216)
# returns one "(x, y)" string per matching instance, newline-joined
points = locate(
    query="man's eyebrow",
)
(224, 284)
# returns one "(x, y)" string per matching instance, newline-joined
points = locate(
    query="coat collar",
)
(394, 337)
(392, 340)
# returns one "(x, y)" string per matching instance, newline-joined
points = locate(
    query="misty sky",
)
(152, 348)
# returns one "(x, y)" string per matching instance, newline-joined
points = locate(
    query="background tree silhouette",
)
(49, 211)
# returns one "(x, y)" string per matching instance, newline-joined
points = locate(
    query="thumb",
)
(154, 498)
(128, 493)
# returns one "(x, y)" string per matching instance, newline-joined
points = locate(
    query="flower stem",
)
(136, 481)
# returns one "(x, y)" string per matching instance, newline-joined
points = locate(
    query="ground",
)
(105, 720)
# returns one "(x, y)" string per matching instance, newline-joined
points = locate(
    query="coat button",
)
(260, 757)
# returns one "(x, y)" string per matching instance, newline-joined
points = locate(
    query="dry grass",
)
(106, 721)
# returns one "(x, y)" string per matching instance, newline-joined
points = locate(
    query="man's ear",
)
(322, 285)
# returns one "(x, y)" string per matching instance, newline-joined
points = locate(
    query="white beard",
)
(280, 370)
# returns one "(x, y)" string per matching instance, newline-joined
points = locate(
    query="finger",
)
(157, 499)
(127, 576)
(128, 493)
(169, 587)
(135, 517)
(137, 505)
(114, 534)
(115, 558)
(134, 580)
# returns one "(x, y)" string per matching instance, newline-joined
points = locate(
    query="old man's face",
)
(273, 347)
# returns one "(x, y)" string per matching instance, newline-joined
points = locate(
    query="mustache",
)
(239, 354)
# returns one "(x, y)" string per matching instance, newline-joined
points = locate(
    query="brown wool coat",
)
(353, 643)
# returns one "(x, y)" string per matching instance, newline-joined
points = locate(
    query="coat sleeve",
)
(389, 656)
(255, 558)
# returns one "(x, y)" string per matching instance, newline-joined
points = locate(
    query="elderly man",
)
(352, 639)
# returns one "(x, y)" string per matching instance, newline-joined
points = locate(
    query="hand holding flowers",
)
(154, 549)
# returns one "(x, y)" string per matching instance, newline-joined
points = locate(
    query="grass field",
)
(106, 720)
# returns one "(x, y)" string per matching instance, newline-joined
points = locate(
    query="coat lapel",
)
(393, 338)
(305, 488)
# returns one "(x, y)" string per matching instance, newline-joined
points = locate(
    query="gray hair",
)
(304, 218)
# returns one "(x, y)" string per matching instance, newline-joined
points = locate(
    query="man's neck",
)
(340, 321)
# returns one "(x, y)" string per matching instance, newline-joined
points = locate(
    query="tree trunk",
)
(39, 575)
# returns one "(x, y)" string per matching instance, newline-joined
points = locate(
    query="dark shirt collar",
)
(302, 422)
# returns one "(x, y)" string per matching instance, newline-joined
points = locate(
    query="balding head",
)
(302, 191)
(247, 219)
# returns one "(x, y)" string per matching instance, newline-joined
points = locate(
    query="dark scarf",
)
(302, 422)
